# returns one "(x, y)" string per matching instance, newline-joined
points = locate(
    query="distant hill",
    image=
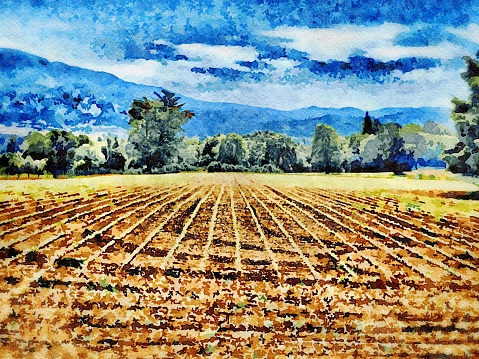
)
(38, 94)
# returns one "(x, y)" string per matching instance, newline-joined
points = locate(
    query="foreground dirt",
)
(224, 266)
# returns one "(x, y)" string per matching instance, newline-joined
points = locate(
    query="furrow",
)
(373, 219)
(361, 224)
(43, 229)
(312, 234)
(62, 252)
(130, 229)
(158, 228)
(288, 235)
(267, 247)
(61, 235)
(211, 229)
(343, 239)
(236, 232)
(182, 235)
(377, 244)
(64, 204)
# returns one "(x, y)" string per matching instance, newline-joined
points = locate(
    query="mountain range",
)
(38, 94)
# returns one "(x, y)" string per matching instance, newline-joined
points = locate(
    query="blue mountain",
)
(38, 94)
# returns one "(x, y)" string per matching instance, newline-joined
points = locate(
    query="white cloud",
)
(218, 56)
(444, 51)
(48, 38)
(154, 73)
(435, 87)
(337, 42)
(12, 130)
(470, 33)
(174, 74)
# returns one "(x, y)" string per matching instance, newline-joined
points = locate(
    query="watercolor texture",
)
(239, 179)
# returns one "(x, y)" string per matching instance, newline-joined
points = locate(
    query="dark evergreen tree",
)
(368, 125)
(208, 150)
(387, 152)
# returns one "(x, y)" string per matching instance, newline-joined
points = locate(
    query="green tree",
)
(88, 160)
(189, 153)
(281, 152)
(57, 147)
(63, 147)
(326, 150)
(31, 166)
(272, 150)
(232, 150)
(13, 145)
(464, 158)
(208, 150)
(37, 146)
(386, 152)
(14, 164)
(156, 125)
(114, 158)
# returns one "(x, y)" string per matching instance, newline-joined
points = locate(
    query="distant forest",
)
(155, 145)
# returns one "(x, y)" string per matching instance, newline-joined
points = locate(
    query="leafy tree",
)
(156, 125)
(57, 147)
(232, 150)
(326, 150)
(87, 160)
(386, 151)
(464, 157)
(208, 150)
(434, 129)
(37, 146)
(114, 158)
(11, 161)
(63, 146)
(13, 146)
(272, 151)
(281, 152)
(189, 153)
(14, 164)
(414, 142)
(31, 166)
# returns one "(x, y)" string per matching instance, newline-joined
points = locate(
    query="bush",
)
(214, 167)
(269, 168)
(225, 167)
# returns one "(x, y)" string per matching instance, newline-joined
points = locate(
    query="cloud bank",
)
(282, 55)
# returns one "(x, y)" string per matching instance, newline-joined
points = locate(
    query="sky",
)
(368, 54)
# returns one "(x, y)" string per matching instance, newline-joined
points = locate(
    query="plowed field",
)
(223, 266)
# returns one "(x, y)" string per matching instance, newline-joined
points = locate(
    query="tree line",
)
(155, 144)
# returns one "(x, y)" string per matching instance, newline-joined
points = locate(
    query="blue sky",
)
(368, 54)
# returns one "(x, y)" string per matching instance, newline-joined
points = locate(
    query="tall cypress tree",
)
(368, 125)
